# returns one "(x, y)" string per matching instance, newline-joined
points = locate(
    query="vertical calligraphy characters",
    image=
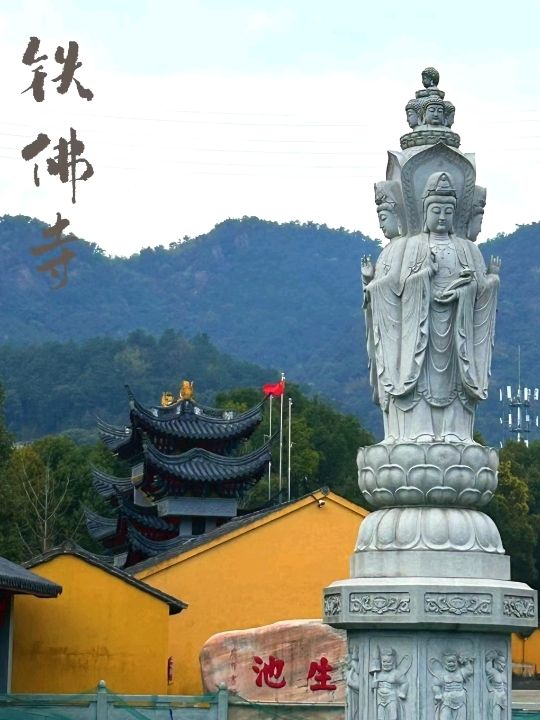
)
(67, 161)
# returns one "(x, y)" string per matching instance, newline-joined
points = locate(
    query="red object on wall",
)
(170, 670)
(5, 602)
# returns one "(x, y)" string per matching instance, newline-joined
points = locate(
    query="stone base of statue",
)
(429, 606)
(424, 647)
(431, 675)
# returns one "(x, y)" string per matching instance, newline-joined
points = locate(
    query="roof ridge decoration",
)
(189, 407)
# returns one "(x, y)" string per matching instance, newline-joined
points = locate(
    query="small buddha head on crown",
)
(449, 112)
(412, 109)
(387, 211)
(440, 201)
(430, 77)
(477, 213)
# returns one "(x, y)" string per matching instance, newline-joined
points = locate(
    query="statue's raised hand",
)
(494, 267)
(368, 269)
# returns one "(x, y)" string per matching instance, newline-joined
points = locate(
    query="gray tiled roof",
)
(17, 579)
(99, 526)
(198, 465)
(107, 485)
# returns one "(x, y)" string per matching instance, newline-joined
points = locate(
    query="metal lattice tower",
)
(522, 417)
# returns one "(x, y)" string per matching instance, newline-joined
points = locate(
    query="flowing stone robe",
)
(430, 361)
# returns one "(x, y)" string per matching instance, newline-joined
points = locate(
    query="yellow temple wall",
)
(99, 628)
(273, 569)
(526, 650)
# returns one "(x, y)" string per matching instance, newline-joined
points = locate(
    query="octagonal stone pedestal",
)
(410, 675)
(429, 648)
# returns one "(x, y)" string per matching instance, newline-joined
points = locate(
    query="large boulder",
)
(288, 661)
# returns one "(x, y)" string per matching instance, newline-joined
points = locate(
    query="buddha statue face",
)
(451, 663)
(412, 117)
(434, 114)
(475, 225)
(449, 117)
(439, 216)
(388, 222)
(499, 663)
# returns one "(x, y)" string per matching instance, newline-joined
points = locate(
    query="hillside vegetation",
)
(286, 296)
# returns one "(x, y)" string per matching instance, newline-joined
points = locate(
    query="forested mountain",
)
(286, 296)
(57, 387)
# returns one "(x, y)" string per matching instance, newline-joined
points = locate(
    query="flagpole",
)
(281, 436)
(270, 463)
(289, 455)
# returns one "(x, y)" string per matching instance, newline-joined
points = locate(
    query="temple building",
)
(187, 474)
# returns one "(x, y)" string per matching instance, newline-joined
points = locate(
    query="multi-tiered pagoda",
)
(186, 479)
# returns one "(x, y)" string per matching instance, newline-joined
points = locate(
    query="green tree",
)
(519, 532)
(45, 486)
(324, 444)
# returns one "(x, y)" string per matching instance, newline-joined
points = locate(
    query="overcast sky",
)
(210, 109)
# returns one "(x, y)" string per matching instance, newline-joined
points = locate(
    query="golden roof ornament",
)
(167, 398)
(186, 390)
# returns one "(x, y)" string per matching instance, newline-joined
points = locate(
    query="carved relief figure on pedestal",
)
(353, 686)
(497, 685)
(449, 688)
(432, 315)
(389, 684)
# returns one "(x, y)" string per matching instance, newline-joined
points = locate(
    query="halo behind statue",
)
(415, 172)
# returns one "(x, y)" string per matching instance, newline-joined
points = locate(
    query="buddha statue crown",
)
(383, 201)
(440, 184)
(428, 124)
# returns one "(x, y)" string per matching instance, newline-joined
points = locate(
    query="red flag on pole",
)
(275, 389)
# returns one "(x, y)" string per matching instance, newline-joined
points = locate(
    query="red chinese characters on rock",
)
(269, 672)
(320, 673)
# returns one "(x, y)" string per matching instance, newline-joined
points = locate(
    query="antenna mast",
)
(520, 420)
